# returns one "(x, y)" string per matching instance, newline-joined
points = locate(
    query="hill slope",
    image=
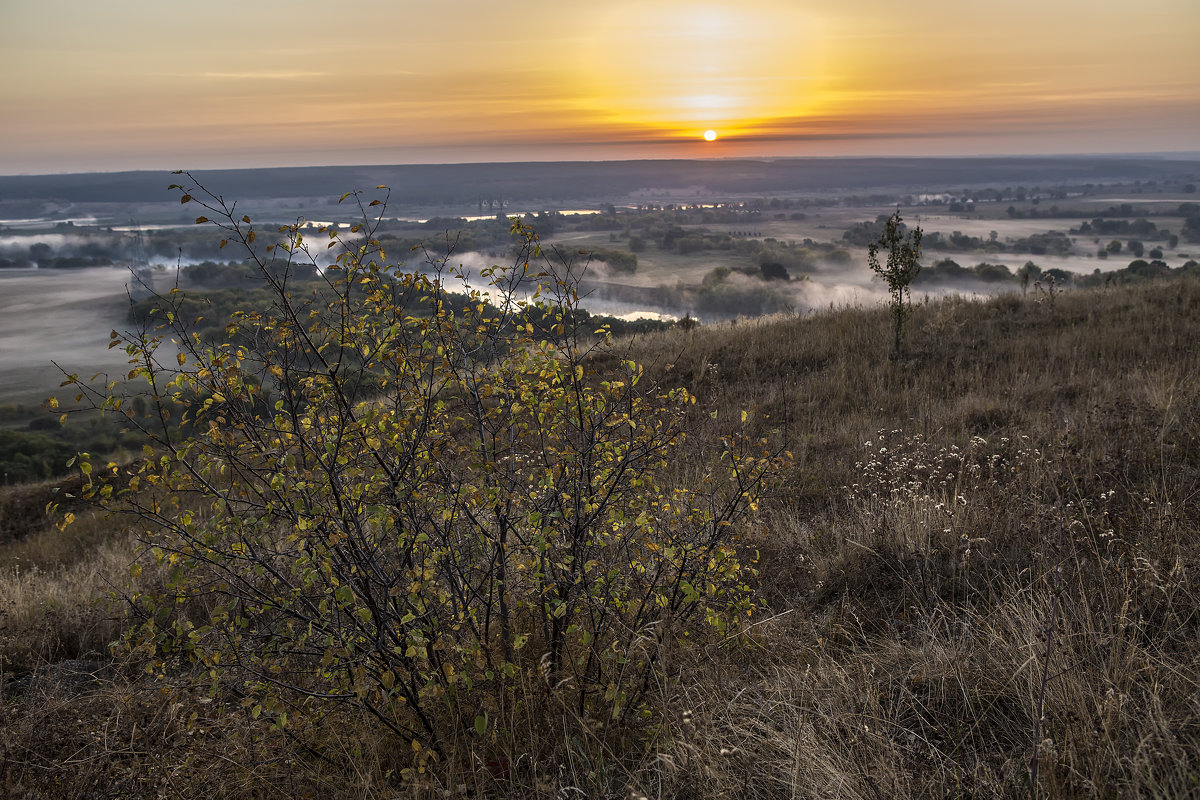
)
(983, 570)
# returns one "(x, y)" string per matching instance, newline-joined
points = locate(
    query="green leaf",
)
(481, 723)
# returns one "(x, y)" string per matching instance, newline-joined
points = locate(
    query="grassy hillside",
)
(980, 577)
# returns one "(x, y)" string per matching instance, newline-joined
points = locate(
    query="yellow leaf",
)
(201, 220)
(181, 358)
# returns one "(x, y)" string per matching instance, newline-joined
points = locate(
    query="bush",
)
(439, 511)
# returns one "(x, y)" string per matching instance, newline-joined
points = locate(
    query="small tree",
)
(417, 503)
(1029, 272)
(904, 250)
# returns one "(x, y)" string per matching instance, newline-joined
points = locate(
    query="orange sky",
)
(148, 84)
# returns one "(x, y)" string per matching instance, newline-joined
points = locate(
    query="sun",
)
(710, 136)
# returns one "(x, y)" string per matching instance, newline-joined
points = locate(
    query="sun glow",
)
(687, 65)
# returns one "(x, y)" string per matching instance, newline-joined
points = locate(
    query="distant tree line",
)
(234, 274)
(1141, 228)
(947, 271)
(863, 234)
(29, 457)
(35, 446)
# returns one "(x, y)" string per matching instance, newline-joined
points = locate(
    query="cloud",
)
(263, 76)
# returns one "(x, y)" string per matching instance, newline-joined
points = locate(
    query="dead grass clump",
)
(49, 614)
(141, 738)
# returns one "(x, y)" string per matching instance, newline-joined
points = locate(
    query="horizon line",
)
(1166, 155)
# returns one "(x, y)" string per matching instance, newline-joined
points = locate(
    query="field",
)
(979, 577)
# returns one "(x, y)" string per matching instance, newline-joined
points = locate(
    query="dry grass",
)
(987, 549)
(54, 584)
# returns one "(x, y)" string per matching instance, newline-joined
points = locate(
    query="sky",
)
(163, 84)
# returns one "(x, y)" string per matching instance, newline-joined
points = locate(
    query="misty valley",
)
(73, 261)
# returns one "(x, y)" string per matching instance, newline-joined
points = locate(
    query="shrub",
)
(419, 508)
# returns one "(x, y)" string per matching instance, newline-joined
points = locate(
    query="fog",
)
(65, 315)
(65, 242)
(836, 285)
(609, 292)
(54, 315)
(781, 217)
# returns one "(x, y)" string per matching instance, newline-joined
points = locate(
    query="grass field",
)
(980, 578)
